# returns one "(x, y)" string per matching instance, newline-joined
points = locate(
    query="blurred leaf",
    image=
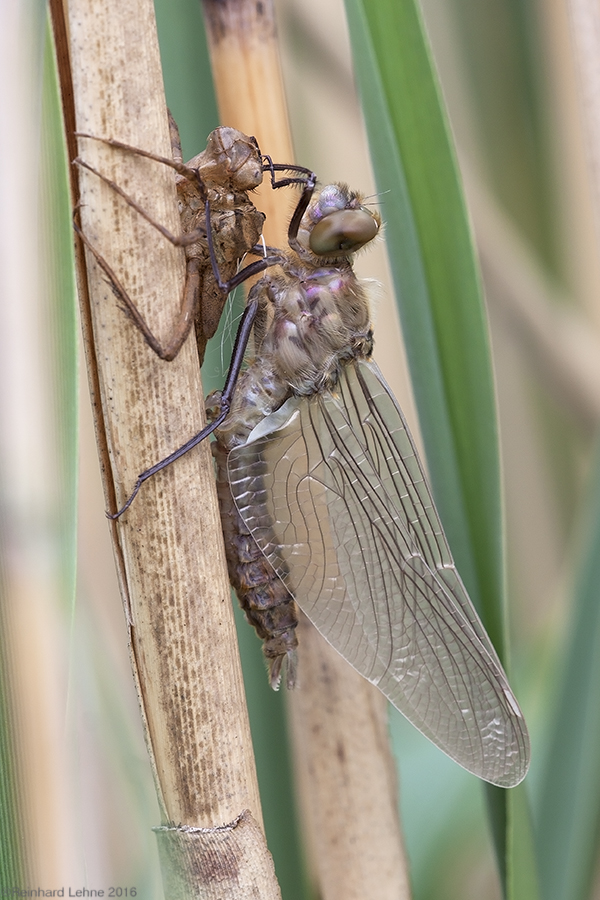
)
(501, 44)
(186, 71)
(438, 289)
(522, 875)
(12, 835)
(441, 308)
(38, 515)
(568, 808)
(60, 317)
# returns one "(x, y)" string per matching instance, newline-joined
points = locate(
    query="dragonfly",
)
(325, 503)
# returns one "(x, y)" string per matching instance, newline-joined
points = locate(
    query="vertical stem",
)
(585, 28)
(168, 546)
(244, 53)
(346, 784)
(347, 778)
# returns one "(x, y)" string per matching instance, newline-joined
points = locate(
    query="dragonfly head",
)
(337, 224)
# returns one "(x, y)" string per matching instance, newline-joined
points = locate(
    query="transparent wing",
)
(337, 500)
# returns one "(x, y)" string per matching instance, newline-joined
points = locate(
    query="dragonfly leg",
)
(301, 208)
(303, 175)
(235, 366)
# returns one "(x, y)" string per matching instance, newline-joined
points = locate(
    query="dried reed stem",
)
(343, 760)
(168, 546)
(348, 778)
(244, 52)
(585, 28)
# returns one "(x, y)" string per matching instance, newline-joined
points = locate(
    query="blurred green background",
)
(508, 74)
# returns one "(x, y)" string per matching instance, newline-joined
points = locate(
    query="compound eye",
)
(343, 232)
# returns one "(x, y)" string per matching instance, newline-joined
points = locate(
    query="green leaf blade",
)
(568, 807)
(444, 323)
(438, 288)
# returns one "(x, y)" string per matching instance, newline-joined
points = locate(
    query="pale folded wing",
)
(359, 544)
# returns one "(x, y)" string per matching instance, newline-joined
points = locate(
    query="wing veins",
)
(334, 435)
(418, 494)
(372, 538)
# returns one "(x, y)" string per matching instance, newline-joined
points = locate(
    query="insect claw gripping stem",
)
(187, 171)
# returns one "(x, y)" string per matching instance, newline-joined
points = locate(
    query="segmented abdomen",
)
(268, 605)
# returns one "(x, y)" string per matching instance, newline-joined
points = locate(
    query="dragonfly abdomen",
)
(267, 604)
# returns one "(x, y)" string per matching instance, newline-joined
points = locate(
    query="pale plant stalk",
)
(558, 338)
(344, 768)
(34, 656)
(585, 29)
(168, 546)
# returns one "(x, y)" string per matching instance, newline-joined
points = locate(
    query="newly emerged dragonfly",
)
(325, 503)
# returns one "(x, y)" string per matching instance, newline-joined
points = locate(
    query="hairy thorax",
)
(320, 318)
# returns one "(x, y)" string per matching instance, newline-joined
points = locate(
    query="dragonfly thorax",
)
(321, 316)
